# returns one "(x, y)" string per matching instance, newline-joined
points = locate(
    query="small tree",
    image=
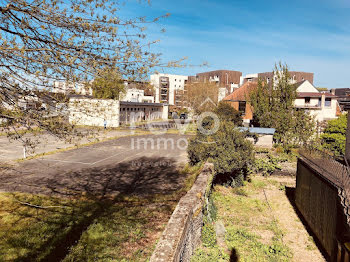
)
(273, 106)
(227, 113)
(108, 85)
(202, 97)
(334, 135)
(43, 42)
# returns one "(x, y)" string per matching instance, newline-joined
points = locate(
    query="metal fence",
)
(335, 169)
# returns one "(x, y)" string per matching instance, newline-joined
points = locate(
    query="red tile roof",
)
(242, 93)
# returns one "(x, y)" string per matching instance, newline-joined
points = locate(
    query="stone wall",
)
(182, 234)
(93, 112)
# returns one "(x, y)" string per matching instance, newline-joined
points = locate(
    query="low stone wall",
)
(182, 235)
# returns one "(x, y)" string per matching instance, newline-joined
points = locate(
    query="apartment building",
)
(168, 87)
(224, 78)
(63, 87)
(295, 77)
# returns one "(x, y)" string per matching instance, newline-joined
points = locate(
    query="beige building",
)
(94, 112)
(322, 105)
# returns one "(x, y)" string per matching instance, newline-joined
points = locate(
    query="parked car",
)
(183, 116)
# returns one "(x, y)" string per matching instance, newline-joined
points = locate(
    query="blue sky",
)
(251, 35)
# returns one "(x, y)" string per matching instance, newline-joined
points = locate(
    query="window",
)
(241, 107)
(307, 100)
(328, 102)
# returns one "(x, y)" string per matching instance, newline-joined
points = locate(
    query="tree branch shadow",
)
(87, 195)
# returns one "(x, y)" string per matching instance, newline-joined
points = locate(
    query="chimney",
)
(323, 100)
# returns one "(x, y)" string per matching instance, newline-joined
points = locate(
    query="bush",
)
(334, 135)
(268, 164)
(228, 149)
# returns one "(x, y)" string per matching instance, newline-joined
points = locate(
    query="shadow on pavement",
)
(140, 176)
(87, 195)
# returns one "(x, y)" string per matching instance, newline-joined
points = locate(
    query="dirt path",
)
(295, 236)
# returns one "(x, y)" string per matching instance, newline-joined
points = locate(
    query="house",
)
(239, 100)
(343, 96)
(322, 105)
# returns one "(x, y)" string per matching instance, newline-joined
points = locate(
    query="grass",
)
(123, 228)
(252, 233)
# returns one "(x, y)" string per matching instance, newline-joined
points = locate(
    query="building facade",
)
(94, 112)
(295, 77)
(136, 95)
(167, 86)
(343, 96)
(239, 100)
(224, 78)
(322, 105)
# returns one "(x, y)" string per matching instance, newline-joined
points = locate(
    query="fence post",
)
(347, 145)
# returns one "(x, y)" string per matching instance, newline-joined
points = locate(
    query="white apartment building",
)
(71, 88)
(166, 85)
(248, 78)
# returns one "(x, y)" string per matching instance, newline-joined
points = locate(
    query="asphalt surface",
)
(11, 149)
(130, 165)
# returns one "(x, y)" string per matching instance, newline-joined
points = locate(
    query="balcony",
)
(308, 106)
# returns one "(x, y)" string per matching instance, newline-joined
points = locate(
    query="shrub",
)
(228, 149)
(334, 135)
(268, 164)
